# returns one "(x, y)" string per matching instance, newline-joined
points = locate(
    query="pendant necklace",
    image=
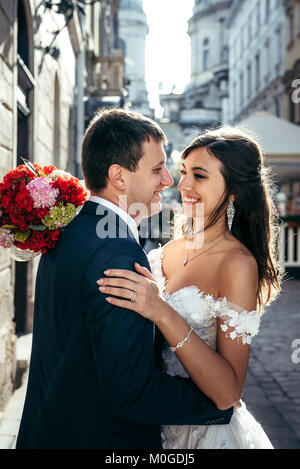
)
(187, 260)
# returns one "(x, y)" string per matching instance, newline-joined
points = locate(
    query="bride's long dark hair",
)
(256, 220)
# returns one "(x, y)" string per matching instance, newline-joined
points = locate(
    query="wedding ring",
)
(134, 297)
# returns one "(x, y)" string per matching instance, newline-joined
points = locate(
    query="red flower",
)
(24, 201)
(6, 201)
(17, 206)
(48, 169)
(71, 191)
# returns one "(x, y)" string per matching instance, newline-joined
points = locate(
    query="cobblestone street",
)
(272, 391)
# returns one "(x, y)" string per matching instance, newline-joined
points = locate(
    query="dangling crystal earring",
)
(230, 214)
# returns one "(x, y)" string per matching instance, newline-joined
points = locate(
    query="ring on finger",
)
(134, 297)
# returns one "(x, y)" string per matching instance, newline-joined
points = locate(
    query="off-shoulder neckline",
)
(207, 297)
(194, 287)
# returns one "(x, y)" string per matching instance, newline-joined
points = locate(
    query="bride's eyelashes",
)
(197, 176)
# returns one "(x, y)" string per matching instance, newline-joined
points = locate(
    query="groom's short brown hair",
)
(115, 136)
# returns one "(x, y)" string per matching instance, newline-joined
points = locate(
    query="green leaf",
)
(22, 236)
(9, 227)
(30, 166)
(37, 227)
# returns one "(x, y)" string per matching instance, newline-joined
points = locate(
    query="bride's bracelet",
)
(180, 344)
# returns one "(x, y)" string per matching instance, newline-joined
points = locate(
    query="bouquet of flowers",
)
(35, 204)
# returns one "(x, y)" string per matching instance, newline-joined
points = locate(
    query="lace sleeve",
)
(244, 324)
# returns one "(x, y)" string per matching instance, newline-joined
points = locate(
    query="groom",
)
(94, 378)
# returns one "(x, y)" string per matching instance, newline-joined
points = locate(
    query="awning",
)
(280, 141)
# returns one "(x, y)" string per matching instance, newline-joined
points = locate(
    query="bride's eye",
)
(197, 176)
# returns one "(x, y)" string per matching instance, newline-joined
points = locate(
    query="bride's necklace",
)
(187, 260)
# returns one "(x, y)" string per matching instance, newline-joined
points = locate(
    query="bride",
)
(211, 283)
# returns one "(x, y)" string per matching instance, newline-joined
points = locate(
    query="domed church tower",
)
(133, 30)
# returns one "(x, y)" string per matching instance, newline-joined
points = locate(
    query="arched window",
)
(56, 124)
(206, 54)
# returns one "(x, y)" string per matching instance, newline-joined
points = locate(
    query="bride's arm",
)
(221, 374)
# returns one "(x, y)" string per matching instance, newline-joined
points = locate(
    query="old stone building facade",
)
(291, 82)
(256, 58)
(45, 84)
(292, 62)
(204, 102)
(104, 59)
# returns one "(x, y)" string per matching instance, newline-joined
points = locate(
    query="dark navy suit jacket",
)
(94, 379)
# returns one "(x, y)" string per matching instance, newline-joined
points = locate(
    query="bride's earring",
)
(230, 214)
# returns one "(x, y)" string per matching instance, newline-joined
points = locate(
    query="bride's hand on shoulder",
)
(137, 291)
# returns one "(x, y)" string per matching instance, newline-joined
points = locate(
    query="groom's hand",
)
(137, 291)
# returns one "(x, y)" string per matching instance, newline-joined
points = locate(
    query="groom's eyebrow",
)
(160, 163)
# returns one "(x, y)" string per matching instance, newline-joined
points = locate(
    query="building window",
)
(242, 42)
(234, 105)
(23, 35)
(257, 71)
(222, 39)
(241, 89)
(249, 73)
(258, 14)
(206, 55)
(249, 29)
(292, 112)
(56, 123)
(116, 78)
(267, 10)
(291, 23)
(277, 106)
(279, 48)
(268, 61)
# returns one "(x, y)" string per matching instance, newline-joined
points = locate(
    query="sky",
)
(167, 47)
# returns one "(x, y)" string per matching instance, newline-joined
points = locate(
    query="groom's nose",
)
(167, 179)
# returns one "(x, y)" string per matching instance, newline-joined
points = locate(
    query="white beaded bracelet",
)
(180, 344)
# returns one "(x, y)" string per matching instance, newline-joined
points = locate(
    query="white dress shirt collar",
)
(119, 211)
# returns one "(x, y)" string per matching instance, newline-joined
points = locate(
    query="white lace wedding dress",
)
(201, 312)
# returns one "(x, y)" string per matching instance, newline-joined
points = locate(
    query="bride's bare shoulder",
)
(237, 258)
(172, 247)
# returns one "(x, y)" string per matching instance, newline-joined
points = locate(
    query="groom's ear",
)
(116, 177)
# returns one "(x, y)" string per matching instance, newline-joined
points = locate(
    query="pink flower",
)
(6, 238)
(42, 192)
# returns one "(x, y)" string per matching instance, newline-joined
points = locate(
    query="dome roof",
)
(131, 5)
